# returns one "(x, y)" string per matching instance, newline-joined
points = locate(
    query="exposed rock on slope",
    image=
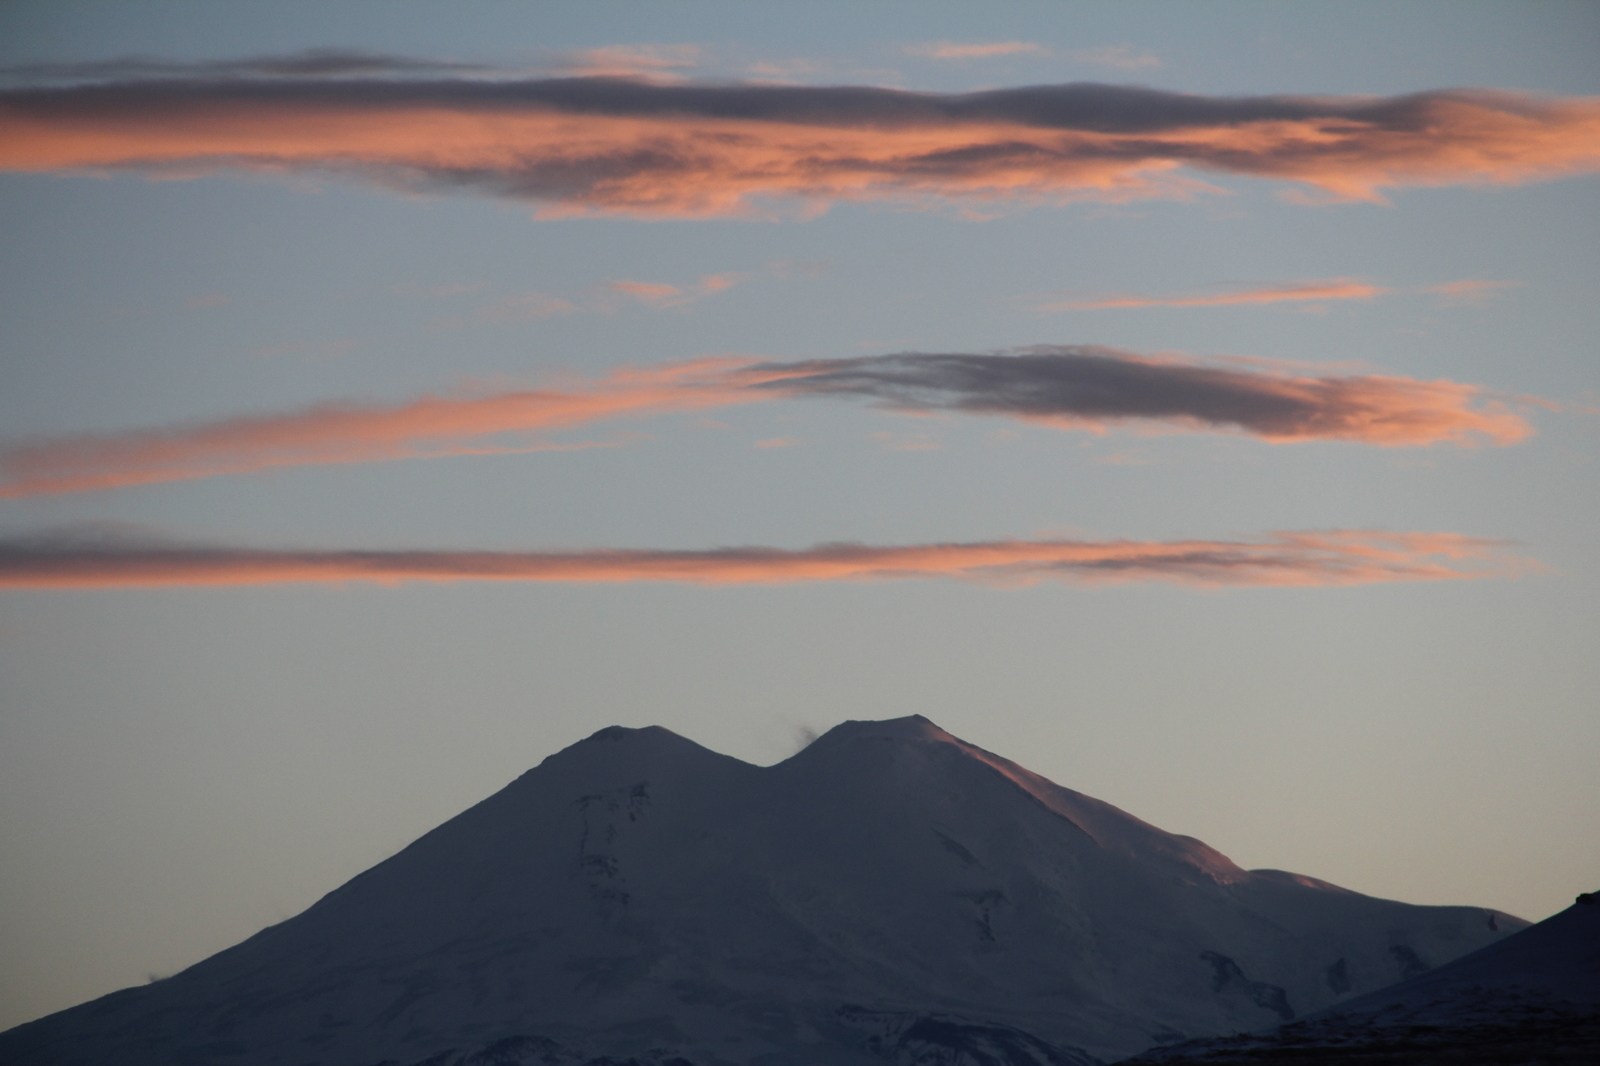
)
(890, 894)
(1532, 998)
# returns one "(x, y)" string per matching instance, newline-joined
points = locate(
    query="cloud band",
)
(1088, 387)
(612, 145)
(1300, 292)
(429, 426)
(1342, 557)
(1073, 387)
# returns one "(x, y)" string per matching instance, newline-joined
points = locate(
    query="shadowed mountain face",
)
(1532, 998)
(890, 894)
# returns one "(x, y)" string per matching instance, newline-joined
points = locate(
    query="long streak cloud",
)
(614, 145)
(1071, 387)
(1341, 557)
(429, 426)
(1301, 292)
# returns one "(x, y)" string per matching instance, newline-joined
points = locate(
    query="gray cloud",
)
(111, 557)
(310, 63)
(154, 85)
(1087, 385)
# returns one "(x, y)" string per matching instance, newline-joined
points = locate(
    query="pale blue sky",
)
(179, 767)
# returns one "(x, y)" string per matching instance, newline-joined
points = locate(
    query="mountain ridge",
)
(886, 888)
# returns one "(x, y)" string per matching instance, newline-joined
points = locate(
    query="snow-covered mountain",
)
(889, 894)
(1533, 997)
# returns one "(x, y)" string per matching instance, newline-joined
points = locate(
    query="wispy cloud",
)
(331, 433)
(1470, 291)
(602, 299)
(621, 146)
(627, 61)
(649, 292)
(1116, 56)
(660, 294)
(1294, 292)
(957, 50)
(1451, 293)
(75, 560)
(1071, 387)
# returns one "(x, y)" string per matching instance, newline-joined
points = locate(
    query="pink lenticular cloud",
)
(1069, 387)
(1296, 292)
(617, 146)
(429, 426)
(1296, 559)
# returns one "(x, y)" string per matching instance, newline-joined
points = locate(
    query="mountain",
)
(889, 894)
(1533, 997)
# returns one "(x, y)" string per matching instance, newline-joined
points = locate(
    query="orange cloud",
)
(1081, 388)
(649, 292)
(1340, 557)
(622, 61)
(605, 145)
(952, 50)
(1118, 56)
(658, 294)
(718, 282)
(1454, 293)
(1330, 289)
(1470, 291)
(429, 426)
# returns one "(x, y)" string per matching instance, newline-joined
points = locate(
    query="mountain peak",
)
(620, 752)
(615, 733)
(911, 727)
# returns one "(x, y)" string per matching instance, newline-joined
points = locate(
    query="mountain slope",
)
(1533, 997)
(889, 893)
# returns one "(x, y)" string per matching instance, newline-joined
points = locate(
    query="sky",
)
(1194, 403)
